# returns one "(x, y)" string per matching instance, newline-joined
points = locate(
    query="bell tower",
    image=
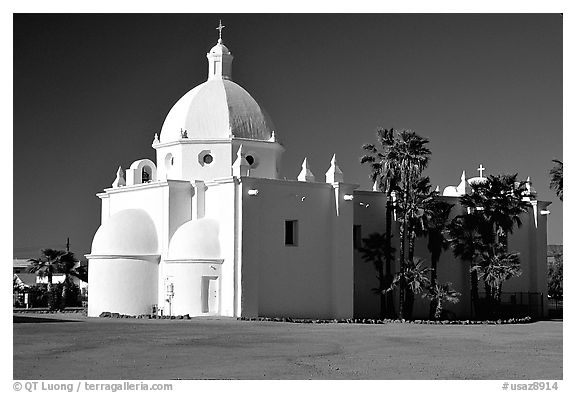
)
(219, 59)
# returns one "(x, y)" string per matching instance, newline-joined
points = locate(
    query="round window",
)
(250, 160)
(208, 159)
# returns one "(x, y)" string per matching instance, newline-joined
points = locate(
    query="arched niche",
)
(141, 171)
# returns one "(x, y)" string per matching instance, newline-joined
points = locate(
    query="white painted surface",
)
(128, 232)
(187, 278)
(217, 109)
(295, 281)
(196, 239)
(126, 285)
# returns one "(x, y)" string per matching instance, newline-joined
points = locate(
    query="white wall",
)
(268, 156)
(186, 276)
(187, 165)
(221, 205)
(122, 285)
(169, 204)
(293, 281)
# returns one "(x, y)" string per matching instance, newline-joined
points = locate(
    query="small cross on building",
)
(219, 28)
(481, 169)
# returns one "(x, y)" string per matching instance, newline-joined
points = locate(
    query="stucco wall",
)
(221, 205)
(169, 205)
(187, 160)
(528, 240)
(186, 277)
(122, 285)
(286, 280)
(370, 214)
(267, 157)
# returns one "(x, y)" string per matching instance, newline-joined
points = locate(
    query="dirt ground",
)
(65, 346)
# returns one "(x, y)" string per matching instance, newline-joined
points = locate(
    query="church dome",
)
(127, 232)
(477, 180)
(219, 49)
(195, 239)
(217, 109)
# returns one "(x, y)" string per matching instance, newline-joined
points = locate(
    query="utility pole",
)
(67, 244)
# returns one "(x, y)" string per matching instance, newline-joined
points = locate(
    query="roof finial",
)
(219, 28)
(481, 169)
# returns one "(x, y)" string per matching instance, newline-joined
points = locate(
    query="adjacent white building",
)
(210, 229)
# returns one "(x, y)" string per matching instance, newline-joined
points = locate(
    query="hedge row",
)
(107, 314)
(387, 321)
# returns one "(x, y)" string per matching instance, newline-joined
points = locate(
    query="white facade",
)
(209, 229)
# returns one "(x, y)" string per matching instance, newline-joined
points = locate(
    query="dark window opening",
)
(208, 159)
(250, 160)
(291, 233)
(145, 175)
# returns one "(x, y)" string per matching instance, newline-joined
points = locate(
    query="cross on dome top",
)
(220, 28)
(481, 169)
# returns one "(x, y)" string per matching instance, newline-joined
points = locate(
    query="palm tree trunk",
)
(474, 291)
(403, 234)
(65, 290)
(438, 310)
(409, 301)
(402, 265)
(389, 296)
(434, 303)
(51, 297)
(490, 299)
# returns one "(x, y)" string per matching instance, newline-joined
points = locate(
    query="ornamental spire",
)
(219, 59)
(306, 174)
(334, 174)
(220, 28)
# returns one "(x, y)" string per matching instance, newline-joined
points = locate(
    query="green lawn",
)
(69, 346)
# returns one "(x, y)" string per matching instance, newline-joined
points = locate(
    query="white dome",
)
(127, 232)
(219, 49)
(217, 109)
(478, 179)
(195, 239)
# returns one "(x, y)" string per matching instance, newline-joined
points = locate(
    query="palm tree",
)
(500, 201)
(556, 178)
(68, 266)
(415, 209)
(411, 156)
(466, 236)
(494, 207)
(385, 174)
(440, 293)
(47, 265)
(415, 277)
(495, 268)
(54, 261)
(436, 224)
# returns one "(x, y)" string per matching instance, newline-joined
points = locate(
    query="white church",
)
(211, 229)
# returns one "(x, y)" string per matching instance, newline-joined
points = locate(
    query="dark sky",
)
(90, 91)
